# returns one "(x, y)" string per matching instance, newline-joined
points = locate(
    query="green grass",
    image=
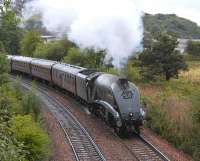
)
(174, 109)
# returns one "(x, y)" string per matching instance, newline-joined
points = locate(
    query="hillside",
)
(182, 27)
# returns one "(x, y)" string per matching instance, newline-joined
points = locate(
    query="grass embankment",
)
(174, 109)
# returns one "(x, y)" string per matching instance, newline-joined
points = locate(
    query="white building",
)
(183, 44)
(49, 38)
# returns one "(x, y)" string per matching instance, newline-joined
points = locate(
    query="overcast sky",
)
(189, 9)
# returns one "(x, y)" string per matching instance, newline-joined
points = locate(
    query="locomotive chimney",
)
(123, 82)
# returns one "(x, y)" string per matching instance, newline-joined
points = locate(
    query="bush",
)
(132, 71)
(54, 50)
(3, 69)
(21, 138)
(8, 101)
(87, 58)
(75, 57)
(30, 42)
(173, 112)
(157, 120)
(195, 97)
(17, 89)
(31, 104)
(10, 148)
(34, 138)
(193, 48)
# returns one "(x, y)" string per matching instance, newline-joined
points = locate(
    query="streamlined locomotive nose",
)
(128, 99)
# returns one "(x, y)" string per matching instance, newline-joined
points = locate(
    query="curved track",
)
(81, 142)
(144, 150)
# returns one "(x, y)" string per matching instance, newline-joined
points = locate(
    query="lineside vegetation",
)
(170, 86)
(173, 106)
(169, 83)
(22, 134)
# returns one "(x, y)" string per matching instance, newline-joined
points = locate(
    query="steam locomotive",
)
(110, 97)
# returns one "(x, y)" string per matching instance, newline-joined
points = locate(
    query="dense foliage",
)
(10, 32)
(10, 147)
(54, 50)
(171, 23)
(173, 112)
(22, 137)
(86, 58)
(161, 58)
(193, 48)
(173, 107)
(3, 69)
(30, 42)
(34, 139)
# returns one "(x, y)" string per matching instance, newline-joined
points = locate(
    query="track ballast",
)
(81, 142)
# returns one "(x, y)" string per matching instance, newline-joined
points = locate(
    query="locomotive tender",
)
(113, 98)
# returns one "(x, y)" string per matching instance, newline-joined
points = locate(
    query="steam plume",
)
(114, 25)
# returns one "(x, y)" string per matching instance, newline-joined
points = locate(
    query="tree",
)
(10, 33)
(54, 50)
(193, 48)
(86, 58)
(18, 6)
(30, 42)
(161, 58)
(75, 57)
(3, 69)
(35, 23)
(94, 59)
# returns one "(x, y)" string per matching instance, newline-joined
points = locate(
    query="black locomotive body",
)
(120, 98)
(113, 98)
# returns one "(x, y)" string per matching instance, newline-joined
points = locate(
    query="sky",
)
(189, 9)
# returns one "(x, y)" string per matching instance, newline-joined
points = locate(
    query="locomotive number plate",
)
(127, 94)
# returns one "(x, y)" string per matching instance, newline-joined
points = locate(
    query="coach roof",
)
(43, 63)
(68, 68)
(22, 59)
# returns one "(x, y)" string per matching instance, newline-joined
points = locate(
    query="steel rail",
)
(151, 146)
(143, 150)
(82, 144)
(138, 149)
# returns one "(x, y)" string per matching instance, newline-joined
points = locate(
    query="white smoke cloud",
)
(114, 25)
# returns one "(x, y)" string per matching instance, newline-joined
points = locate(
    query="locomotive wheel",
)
(91, 109)
(111, 121)
(137, 129)
(120, 131)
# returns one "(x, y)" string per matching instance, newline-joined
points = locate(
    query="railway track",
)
(144, 150)
(82, 144)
